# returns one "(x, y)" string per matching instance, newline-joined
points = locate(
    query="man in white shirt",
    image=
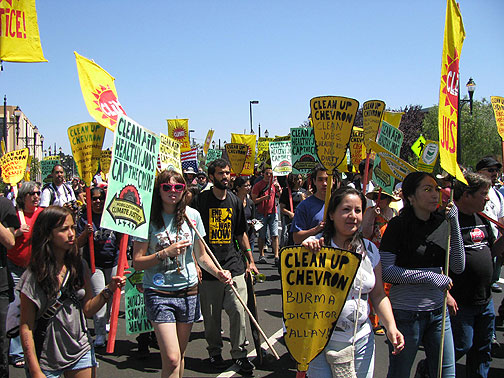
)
(58, 192)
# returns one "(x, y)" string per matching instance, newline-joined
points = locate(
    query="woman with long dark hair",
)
(353, 329)
(413, 250)
(170, 280)
(56, 296)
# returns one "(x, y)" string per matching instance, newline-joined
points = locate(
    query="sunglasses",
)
(33, 193)
(169, 187)
(98, 198)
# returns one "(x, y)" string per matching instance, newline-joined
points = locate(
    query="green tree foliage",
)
(34, 168)
(479, 135)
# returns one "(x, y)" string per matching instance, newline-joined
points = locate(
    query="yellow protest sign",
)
(449, 90)
(263, 149)
(169, 154)
(498, 108)
(314, 291)
(105, 158)
(178, 129)
(86, 140)
(418, 146)
(19, 32)
(332, 118)
(28, 169)
(208, 140)
(428, 156)
(372, 114)
(393, 118)
(99, 92)
(357, 150)
(394, 165)
(250, 141)
(237, 155)
(13, 166)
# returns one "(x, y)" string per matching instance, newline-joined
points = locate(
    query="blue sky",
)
(205, 60)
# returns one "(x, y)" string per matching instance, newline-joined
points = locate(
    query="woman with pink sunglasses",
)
(170, 279)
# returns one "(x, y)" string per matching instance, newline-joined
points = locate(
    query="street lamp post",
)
(266, 133)
(259, 127)
(255, 102)
(213, 144)
(471, 87)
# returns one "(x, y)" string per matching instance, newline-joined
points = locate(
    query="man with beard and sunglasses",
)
(224, 220)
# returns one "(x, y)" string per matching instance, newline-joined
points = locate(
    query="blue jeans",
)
(422, 327)
(15, 349)
(363, 358)
(473, 327)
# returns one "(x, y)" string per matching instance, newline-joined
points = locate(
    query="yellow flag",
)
(498, 108)
(250, 141)
(19, 33)
(99, 92)
(449, 91)
(208, 140)
(178, 129)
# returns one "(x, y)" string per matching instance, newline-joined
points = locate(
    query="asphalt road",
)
(124, 362)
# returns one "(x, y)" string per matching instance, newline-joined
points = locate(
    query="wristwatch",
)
(107, 293)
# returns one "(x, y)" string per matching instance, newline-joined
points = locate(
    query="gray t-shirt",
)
(66, 340)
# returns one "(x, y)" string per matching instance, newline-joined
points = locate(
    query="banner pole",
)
(365, 178)
(91, 235)
(216, 262)
(116, 301)
(20, 211)
(445, 300)
(328, 194)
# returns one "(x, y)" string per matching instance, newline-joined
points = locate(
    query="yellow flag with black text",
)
(99, 92)
(19, 32)
(250, 141)
(449, 91)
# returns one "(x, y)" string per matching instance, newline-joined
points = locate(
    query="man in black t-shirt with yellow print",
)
(224, 219)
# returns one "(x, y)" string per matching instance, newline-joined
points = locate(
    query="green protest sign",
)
(213, 154)
(47, 165)
(391, 139)
(303, 150)
(280, 153)
(136, 318)
(131, 179)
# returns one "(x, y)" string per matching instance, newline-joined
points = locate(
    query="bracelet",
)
(106, 293)
(248, 250)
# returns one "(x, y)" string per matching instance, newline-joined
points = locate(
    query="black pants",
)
(4, 341)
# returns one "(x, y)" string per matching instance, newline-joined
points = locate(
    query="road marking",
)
(233, 369)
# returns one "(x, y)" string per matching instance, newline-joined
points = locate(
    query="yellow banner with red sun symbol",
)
(99, 92)
(448, 94)
(178, 129)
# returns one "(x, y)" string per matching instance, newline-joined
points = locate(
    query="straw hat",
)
(374, 195)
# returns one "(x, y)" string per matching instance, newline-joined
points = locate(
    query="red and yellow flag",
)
(178, 129)
(448, 94)
(19, 33)
(99, 92)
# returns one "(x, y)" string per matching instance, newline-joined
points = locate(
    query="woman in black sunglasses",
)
(27, 201)
(170, 279)
(106, 252)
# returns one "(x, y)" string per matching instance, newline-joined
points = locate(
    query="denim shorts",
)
(271, 221)
(167, 309)
(86, 361)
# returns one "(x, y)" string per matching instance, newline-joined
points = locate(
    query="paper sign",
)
(86, 140)
(393, 118)
(391, 139)
(394, 166)
(263, 150)
(418, 146)
(47, 165)
(333, 118)
(280, 153)
(314, 290)
(372, 113)
(250, 141)
(169, 154)
(14, 166)
(136, 316)
(303, 150)
(429, 156)
(131, 179)
(237, 154)
(105, 158)
(213, 154)
(357, 150)
(498, 108)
